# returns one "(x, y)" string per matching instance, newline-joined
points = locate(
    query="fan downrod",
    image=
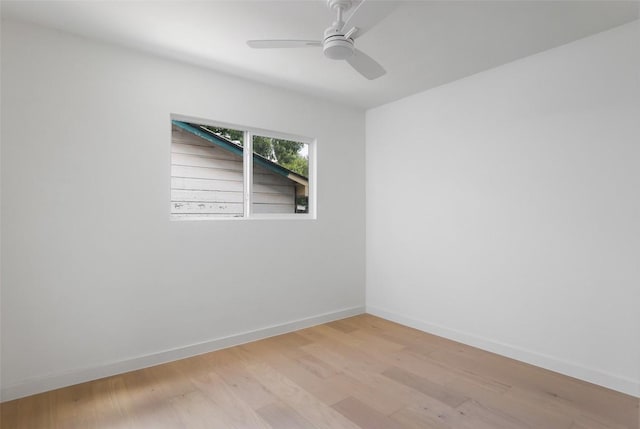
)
(335, 44)
(342, 4)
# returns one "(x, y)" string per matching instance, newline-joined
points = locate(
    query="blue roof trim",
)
(215, 139)
(209, 136)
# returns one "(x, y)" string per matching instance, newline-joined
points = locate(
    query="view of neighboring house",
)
(207, 177)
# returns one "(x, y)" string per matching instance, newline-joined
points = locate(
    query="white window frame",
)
(247, 153)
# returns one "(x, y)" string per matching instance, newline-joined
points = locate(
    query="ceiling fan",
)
(338, 41)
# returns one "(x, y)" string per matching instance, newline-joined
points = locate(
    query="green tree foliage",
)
(233, 135)
(284, 152)
(287, 154)
(300, 165)
(263, 146)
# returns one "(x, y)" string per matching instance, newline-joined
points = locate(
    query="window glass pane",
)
(280, 176)
(207, 177)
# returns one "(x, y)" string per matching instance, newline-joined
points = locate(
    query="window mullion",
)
(248, 171)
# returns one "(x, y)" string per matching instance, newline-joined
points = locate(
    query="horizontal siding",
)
(203, 216)
(205, 152)
(205, 184)
(227, 197)
(223, 185)
(206, 196)
(208, 162)
(264, 176)
(263, 198)
(207, 181)
(230, 175)
(273, 189)
(258, 209)
(206, 173)
(208, 151)
(271, 179)
(207, 208)
(273, 208)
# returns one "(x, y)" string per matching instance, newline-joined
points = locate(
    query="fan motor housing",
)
(337, 47)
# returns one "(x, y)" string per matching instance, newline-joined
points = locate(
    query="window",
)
(280, 176)
(222, 171)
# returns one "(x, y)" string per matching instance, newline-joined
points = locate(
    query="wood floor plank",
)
(111, 402)
(409, 336)
(322, 416)
(196, 411)
(561, 406)
(377, 343)
(280, 416)
(167, 380)
(331, 333)
(227, 366)
(465, 380)
(239, 411)
(316, 366)
(9, 412)
(474, 415)
(360, 372)
(618, 407)
(342, 325)
(385, 402)
(594, 422)
(412, 417)
(364, 416)
(150, 407)
(376, 382)
(429, 388)
(350, 351)
(470, 415)
(35, 411)
(484, 389)
(296, 372)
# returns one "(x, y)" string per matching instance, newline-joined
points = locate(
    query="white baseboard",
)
(591, 375)
(54, 381)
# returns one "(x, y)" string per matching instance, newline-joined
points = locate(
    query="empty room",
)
(320, 214)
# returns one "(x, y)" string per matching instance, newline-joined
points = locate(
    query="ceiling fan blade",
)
(365, 16)
(268, 44)
(365, 65)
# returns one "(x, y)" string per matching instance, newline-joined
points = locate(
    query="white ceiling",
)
(421, 44)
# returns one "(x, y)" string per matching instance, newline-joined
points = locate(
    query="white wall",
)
(503, 209)
(96, 279)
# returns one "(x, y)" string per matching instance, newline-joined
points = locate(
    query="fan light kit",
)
(338, 41)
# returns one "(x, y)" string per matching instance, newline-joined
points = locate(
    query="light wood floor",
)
(361, 372)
